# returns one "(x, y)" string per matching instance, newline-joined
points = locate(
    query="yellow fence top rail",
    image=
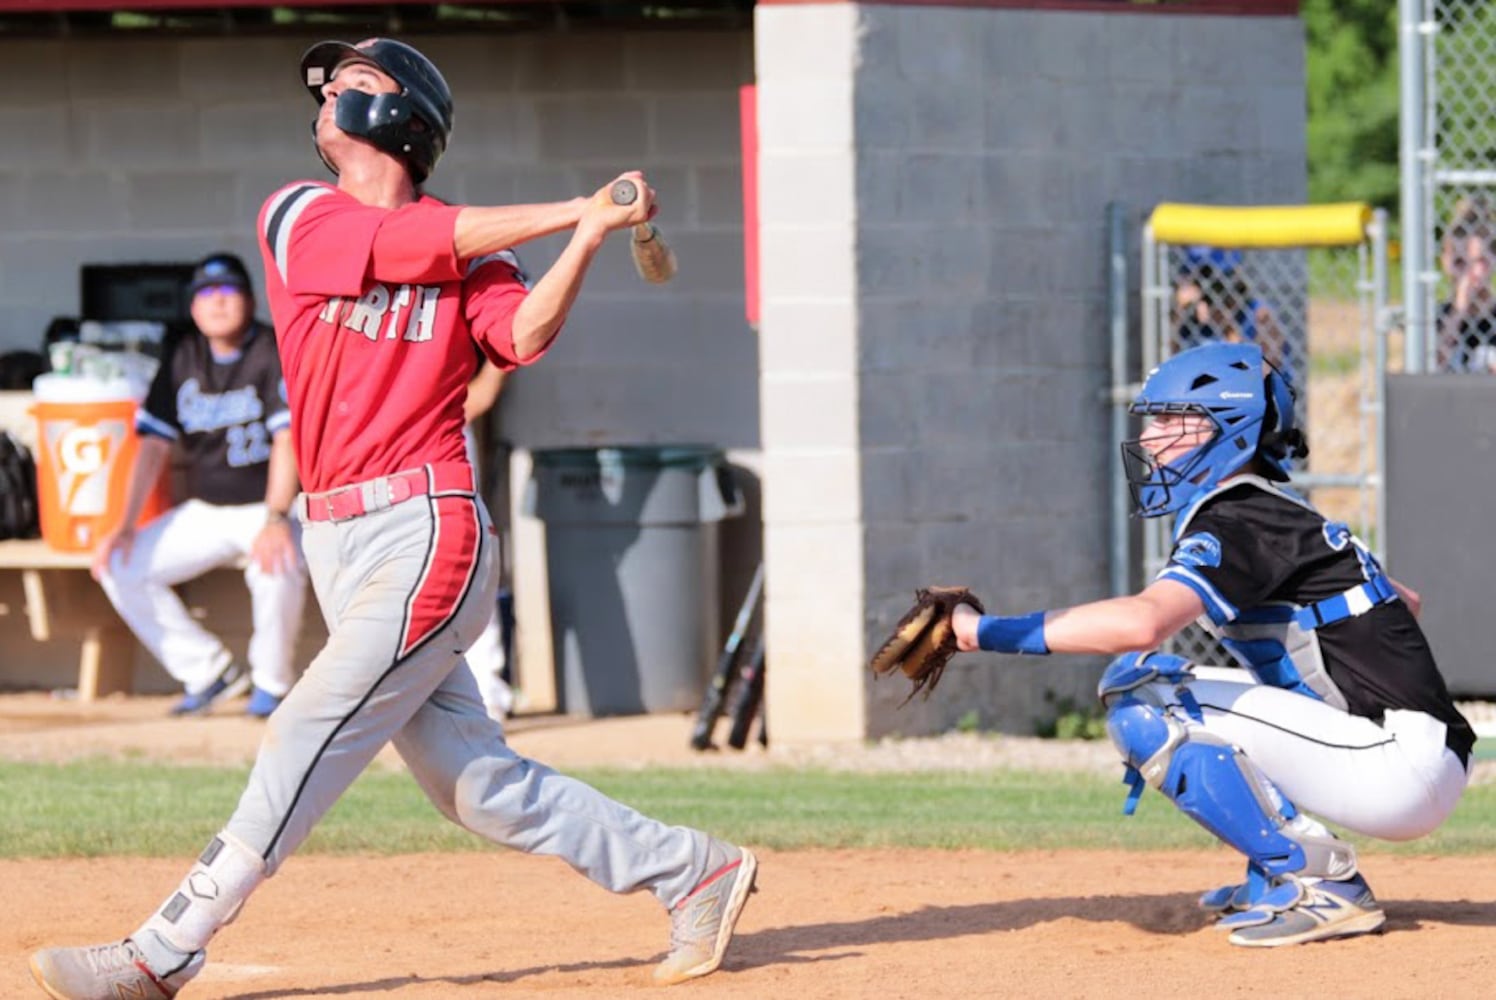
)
(1262, 227)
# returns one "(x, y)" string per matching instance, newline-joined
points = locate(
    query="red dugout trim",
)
(61, 6)
(748, 126)
(1235, 8)
(1232, 8)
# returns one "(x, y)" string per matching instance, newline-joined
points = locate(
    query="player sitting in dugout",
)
(219, 400)
(1344, 714)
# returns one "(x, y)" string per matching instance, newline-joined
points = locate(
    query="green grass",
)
(100, 808)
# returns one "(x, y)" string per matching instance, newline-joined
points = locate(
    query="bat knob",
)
(625, 192)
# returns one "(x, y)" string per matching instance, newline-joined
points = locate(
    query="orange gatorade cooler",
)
(85, 452)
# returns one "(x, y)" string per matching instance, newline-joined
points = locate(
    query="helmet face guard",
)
(413, 125)
(1159, 488)
(386, 120)
(1230, 386)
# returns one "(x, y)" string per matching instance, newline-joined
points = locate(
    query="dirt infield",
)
(825, 924)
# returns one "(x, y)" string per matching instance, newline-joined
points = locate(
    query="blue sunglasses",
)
(219, 290)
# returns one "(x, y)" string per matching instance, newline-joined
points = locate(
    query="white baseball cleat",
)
(108, 972)
(701, 925)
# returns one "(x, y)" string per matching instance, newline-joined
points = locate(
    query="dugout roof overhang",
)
(138, 18)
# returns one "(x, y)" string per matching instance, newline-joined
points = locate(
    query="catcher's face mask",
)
(1217, 385)
(1161, 463)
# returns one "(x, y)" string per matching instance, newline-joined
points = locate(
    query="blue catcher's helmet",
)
(1250, 404)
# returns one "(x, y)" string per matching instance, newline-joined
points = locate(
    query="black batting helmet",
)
(413, 124)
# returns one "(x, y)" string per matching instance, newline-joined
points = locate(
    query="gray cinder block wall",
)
(125, 150)
(933, 186)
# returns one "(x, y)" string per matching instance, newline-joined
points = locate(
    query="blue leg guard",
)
(1127, 673)
(1210, 785)
(1213, 784)
(1132, 670)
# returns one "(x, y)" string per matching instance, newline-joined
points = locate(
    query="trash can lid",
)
(669, 456)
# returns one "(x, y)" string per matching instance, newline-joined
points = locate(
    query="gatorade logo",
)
(85, 453)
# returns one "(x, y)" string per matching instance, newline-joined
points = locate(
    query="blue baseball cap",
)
(218, 270)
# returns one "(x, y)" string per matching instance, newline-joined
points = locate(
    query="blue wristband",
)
(1021, 634)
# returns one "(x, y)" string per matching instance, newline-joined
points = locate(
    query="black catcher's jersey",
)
(221, 412)
(1250, 545)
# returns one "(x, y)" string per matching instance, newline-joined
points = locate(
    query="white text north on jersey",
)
(408, 314)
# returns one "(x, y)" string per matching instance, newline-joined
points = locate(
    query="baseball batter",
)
(1344, 713)
(378, 294)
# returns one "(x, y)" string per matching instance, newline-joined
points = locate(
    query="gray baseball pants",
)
(405, 589)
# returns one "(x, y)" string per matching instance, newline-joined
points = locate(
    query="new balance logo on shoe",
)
(114, 971)
(1299, 911)
(701, 925)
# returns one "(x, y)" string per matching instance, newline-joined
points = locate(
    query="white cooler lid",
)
(52, 388)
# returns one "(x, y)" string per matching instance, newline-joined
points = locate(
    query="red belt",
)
(386, 491)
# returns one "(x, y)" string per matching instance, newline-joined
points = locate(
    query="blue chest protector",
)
(1278, 641)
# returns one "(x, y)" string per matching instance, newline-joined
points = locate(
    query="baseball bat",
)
(716, 692)
(747, 697)
(653, 258)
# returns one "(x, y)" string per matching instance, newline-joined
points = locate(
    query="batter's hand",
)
(274, 548)
(603, 214)
(122, 541)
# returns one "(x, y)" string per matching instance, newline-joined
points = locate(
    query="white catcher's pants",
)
(186, 542)
(1396, 781)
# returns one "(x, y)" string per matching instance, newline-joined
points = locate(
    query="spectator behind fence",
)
(1215, 302)
(1194, 313)
(1467, 320)
(1255, 321)
(218, 396)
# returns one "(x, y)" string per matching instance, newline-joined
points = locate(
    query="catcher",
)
(1344, 714)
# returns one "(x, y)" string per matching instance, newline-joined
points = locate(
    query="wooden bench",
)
(69, 606)
(106, 659)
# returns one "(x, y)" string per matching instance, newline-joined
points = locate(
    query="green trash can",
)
(632, 556)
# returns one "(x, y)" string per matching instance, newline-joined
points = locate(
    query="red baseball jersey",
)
(376, 318)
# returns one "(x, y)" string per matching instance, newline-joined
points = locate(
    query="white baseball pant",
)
(182, 544)
(1395, 780)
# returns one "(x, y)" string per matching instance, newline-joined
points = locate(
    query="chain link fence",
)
(1449, 180)
(1309, 286)
(1464, 59)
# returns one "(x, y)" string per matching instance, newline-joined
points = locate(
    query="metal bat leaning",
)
(653, 258)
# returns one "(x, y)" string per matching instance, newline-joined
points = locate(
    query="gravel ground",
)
(956, 752)
(36, 727)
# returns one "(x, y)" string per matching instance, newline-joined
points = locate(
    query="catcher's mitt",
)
(923, 641)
